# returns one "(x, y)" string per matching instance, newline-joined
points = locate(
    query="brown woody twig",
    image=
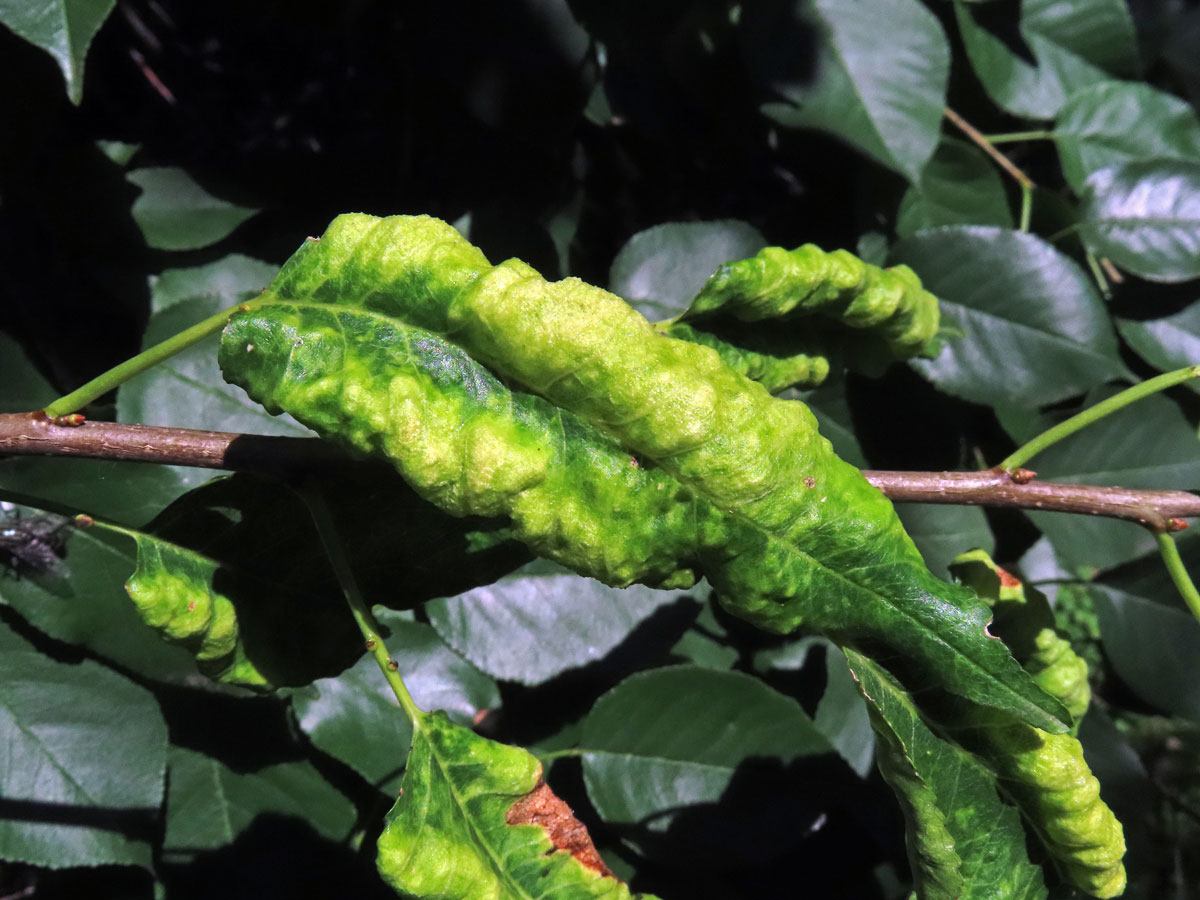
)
(35, 434)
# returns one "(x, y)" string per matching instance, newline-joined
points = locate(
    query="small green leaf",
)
(83, 745)
(1169, 343)
(1035, 329)
(1065, 47)
(661, 269)
(63, 28)
(354, 716)
(1114, 122)
(209, 804)
(542, 620)
(175, 213)
(989, 839)
(460, 831)
(1145, 216)
(884, 97)
(959, 186)
(677, 740)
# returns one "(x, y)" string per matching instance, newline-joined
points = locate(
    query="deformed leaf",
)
(475, 821)
(709, 472)
(1144, 215)
(987, 833)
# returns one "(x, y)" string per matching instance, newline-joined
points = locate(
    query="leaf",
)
(1035, 330)
(661, 269)
(209, 804)
(175, 213)
(959, 186)
(1115, 122)
(943, 532)
(363, 375)
(63, 28)
(541, 621)
(81, 602)
(1165, 676)
(1056, 49)
(1114, 451)
(988, 835)
(354, 716)
(884, 97)
(23, 388)
(684, 752)
(84, 748)
(190, 380)
(1145, 216)
(474, 821)
(1171, 342)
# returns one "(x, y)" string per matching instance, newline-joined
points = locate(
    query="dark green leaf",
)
(1035, 329)
(1145, 216)
(885, 97)
(63, 28)
(671, 739)
(1115, 122)
(82, 746)
(175, 213)
(841, 715)
(209, 804)
(1115, 451)
(943, 532)
(22, 386)
(959, 186)
(354, 716)
(1171, 342)
(1152, 647)
(1056, 49)
(542, 620)
(661, 269)
(989, 851)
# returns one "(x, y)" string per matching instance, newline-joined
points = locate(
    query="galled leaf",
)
(721, 476)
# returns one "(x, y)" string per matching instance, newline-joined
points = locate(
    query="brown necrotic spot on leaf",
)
(542, 806)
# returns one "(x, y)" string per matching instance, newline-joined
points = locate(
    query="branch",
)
(36, 434)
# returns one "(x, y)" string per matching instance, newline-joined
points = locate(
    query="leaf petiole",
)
(136, 365)
(1178, 572)
(1093, 414)
(322, 518)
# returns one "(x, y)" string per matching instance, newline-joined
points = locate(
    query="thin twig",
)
(980, 140)
(33, 434)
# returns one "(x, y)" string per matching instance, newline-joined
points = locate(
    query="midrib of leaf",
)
(344, 309)
(460, 804)
(223, 800)
(617, 754)
(1138, 221)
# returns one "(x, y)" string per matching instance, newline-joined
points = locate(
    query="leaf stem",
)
(1014, 136)
(323, 519)
(1178, 572)
(1093, 414)
(985, 144)
(136, 365)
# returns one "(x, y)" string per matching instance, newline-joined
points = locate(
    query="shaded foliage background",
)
(555, 131)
